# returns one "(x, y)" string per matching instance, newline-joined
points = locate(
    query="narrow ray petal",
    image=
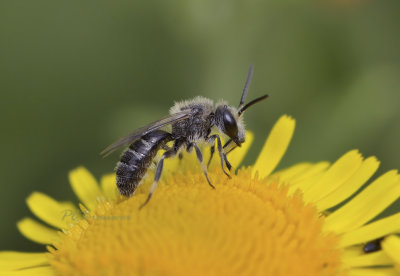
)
(315, 169)
(85, 187)
(352, 251)
(391, 245)
(109, 186)
(50, 210)
(366, 205)
(335, 176)
(34, 271)
(373, 272)
(37, 232)
(372, 231)
(10, 260)
(379, 258)
(292, 172)
(349, 187)
(307, 179)
(275, 146)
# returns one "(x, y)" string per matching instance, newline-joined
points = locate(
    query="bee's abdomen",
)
(136, 160)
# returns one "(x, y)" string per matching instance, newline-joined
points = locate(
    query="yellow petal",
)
(109, 186)
(315, 169)
(371, 259)
(36, 231)
(391, 245)
(34, 271)
(50, 210)
(307, 179)
(10, 260)
(286, 175)
(335, 176)
(85, 187)
(349, 187)
(352, 251)
(275, 146)
(366, 205)
(372, 231)
(372, 272)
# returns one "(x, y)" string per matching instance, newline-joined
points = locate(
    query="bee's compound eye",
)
(230, 125)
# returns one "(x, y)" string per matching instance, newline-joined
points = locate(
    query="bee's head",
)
(228, 121)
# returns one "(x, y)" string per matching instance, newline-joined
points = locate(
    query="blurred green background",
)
(76, 75)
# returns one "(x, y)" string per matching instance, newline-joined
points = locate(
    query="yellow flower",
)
(303, 220)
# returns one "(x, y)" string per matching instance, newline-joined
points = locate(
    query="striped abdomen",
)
(136, 160)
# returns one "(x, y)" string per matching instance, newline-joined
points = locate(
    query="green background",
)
(76, 75)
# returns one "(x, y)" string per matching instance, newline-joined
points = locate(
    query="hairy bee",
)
(191, 123)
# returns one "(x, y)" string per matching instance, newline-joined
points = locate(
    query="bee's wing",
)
(136, 134)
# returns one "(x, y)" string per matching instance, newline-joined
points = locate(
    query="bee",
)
(192, 122)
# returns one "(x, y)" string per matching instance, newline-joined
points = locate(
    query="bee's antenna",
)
(246, 86)
(242, 109)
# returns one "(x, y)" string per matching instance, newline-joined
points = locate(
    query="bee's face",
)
(228, 122)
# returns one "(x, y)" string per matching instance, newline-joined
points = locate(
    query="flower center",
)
(243, 227)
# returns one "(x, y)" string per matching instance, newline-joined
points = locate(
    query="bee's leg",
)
(200, 158)
(212, 150)
(227, 144)
(226, 153)
(222, 155)
(228, 165)
(169, 153)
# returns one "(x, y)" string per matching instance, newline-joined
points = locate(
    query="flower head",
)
(307, 219)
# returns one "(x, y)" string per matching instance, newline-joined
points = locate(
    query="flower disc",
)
(243, 227)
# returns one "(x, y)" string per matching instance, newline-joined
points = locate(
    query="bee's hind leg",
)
(169, 153)
(200, 158)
